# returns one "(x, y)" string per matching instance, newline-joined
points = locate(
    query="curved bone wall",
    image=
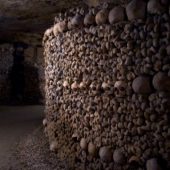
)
(108, 86)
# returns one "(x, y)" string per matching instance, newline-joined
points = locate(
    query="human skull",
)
(120, 88)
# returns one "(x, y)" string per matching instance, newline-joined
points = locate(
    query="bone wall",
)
(107, 86)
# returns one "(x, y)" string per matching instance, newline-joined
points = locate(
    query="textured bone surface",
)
(101, 84)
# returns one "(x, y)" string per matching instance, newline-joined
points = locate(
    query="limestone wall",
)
(107, 87)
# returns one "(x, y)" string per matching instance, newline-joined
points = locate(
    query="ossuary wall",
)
(108, 85)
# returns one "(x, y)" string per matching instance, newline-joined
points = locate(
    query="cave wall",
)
(12, 68)
(6, 62)
(107, 86)
(34, 73)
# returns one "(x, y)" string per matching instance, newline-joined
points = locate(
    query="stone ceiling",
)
(18, 17)
(29, 16)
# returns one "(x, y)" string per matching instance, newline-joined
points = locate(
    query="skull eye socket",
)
(94, 88)
(122, 88)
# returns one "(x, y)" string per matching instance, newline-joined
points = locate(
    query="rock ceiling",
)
(28, 16)
(32, 16)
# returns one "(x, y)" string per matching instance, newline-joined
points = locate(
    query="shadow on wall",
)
(32, 94)
(24, 79)
(6, 62)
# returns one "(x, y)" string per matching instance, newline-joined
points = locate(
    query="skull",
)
(94, 86)
(48, 34)
(59, 27)
(74, 86)
(59, 86)
(120, 88)
(65, 84)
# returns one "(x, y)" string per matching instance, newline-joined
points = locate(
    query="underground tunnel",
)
(85, 85)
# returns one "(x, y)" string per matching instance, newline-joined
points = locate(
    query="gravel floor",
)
(15, 125)
(33, 154)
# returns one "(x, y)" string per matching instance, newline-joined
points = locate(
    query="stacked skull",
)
(102, 85)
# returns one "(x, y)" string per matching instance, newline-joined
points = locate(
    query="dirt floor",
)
(16, 123)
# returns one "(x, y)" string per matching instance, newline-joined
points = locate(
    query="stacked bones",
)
(107, 86)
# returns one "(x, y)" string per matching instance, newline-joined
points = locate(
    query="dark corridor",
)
(17, 76)
(24, 79)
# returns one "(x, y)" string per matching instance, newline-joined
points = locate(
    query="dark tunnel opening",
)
(24, 79)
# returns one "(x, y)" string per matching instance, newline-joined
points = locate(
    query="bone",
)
(101, 17)
(103, 86)
(117, 14)
(154, 7)
(142, 85)
(136, 10)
